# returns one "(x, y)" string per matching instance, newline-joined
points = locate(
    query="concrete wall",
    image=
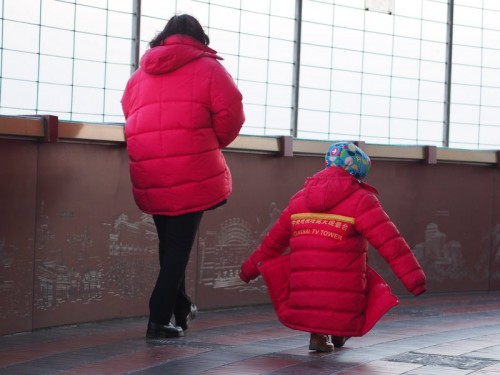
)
(74, 247)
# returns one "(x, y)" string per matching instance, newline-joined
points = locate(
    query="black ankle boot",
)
(163, 331)
(182, 318)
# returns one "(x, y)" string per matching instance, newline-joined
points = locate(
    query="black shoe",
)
(339, 341)
(182, 318)
(163, 331)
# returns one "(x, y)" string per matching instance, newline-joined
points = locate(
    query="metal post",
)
(136, 35)
(447, 79)
(296, 69)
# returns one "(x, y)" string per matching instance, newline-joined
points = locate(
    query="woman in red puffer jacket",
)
(181, 108)
(324, 284)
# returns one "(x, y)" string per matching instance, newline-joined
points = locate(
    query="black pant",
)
(176, 235)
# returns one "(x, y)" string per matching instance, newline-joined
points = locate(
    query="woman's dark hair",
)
(181, 24)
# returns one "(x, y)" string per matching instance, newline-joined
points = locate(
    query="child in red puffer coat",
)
(324, 285)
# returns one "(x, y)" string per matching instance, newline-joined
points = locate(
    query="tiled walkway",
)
(432, 335)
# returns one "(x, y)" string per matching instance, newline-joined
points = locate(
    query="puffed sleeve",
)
(376, 226)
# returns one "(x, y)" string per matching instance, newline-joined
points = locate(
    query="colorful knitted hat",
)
(349, 157)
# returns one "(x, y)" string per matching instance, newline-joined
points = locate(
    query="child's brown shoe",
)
(320, 343)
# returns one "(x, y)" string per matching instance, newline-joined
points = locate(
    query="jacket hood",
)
(177, 51)
(329, 187)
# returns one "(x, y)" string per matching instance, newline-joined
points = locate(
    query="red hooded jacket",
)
(324, 284)
(181, 108)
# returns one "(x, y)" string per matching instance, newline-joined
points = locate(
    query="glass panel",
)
(279, 118)
(375, 105)
(157, 8)
(405, 88)
(408, 8)
(377, 64)
(348, 39)
(404, 108)
(315, 77)
(254, 46)
(58, 14)
(430, 111)
(224, 41)
(491, 58)
(278, 72)
(434, 11)
(491, 39)
(54, 98)
(56, 70)
(18, 94)
(318, 12)
(346, 102)
(407, 27)
(90, 20)
(378, 43)
(406, 47)
(254, 23)
(434, 31)
(348, 60)
(490, 115)
(345, 124)
(379, 22)
(120, 24)
(313, 33)
(88, 100)
(466, 55)
(489, 96)
(464, 113)
(433, 51)
(470, 36)
(316, 56)
(346, 81)
(117, 76)
(253, 69)
(121, 5)
(22, 10)
(56, 42)
(284, 8)
(91, 47)
(281, 50)
(314, 99)
(313, 121)
(375, 127)
(282, 28)
(490, 19)
(376, 85)
(20, 36)
(432, 71)
(467, 16)
(461, 133)
(469, 75)
(112, 102)
(254, 92)
(431, 91)
(466, 94)
(430, 132)
(20, 65)
(118, 50)
(89, 73)
(279, 95)
(489, 136)
(349, 17)
(230, 18)
(255, 115)
(403, 129)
